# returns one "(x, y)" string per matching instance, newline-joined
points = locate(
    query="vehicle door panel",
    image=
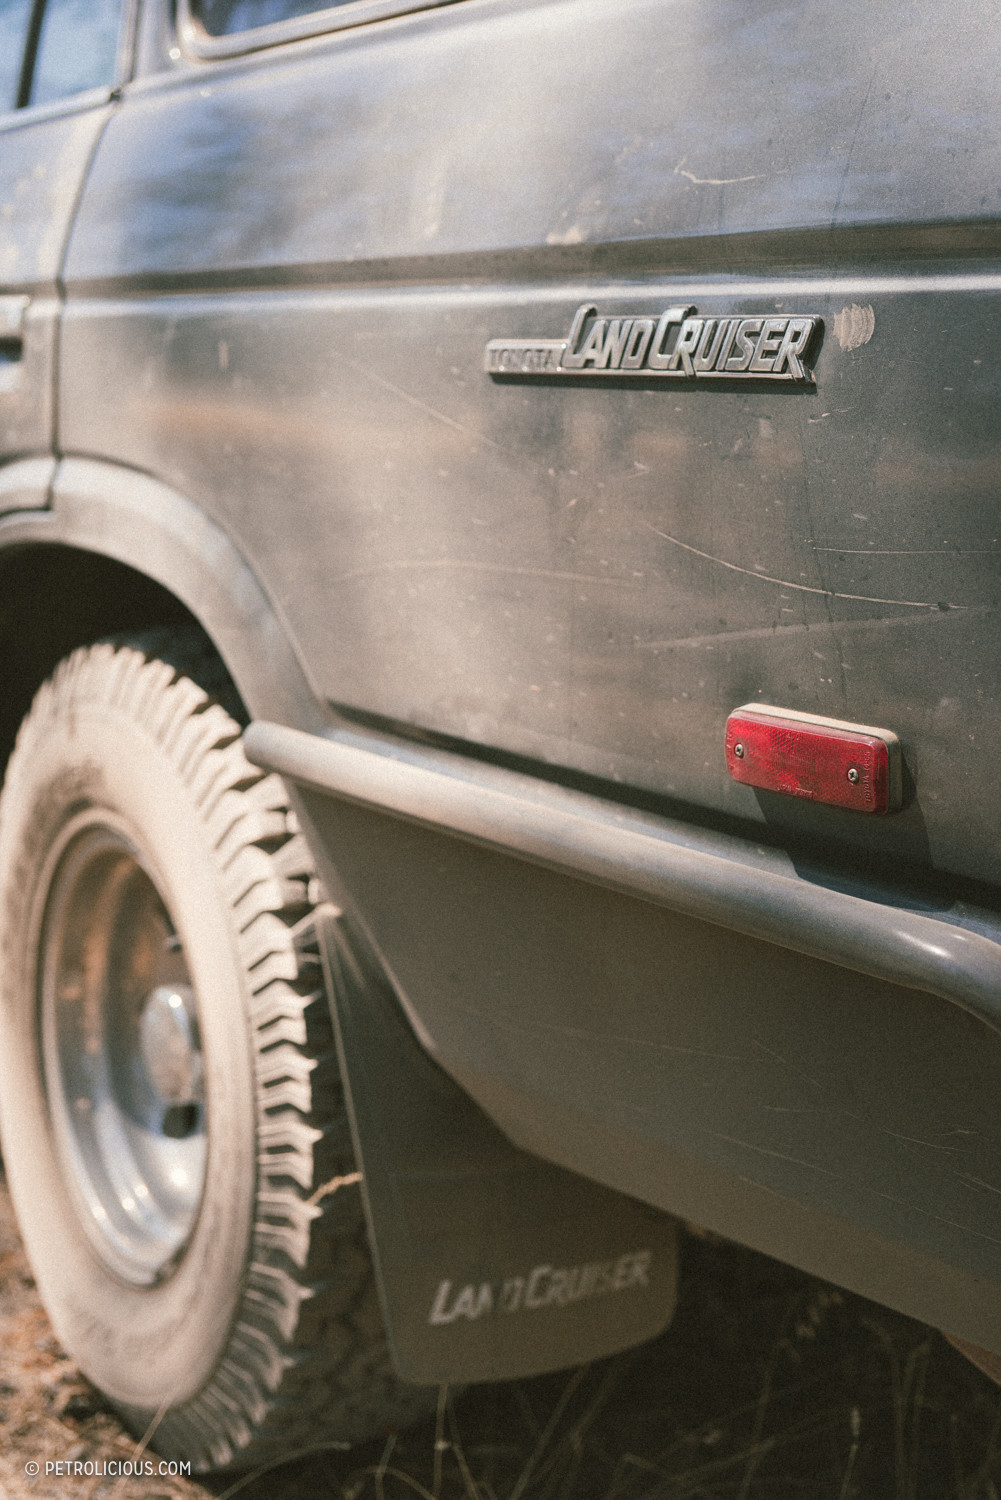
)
(284, 274)
(42, 163)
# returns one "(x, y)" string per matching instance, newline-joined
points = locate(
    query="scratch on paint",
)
(680, 171)
(777, 1056)
(777, 632)
(801, 588)
(550, 1028)
(899, 1202)
(423, 406)
(851, 148)
(908, 552)
(788, 1109)
(913, 1140)
(925, 1213)
(482, 567)
(979, 1182)
(780, 1155)
(333, 1186)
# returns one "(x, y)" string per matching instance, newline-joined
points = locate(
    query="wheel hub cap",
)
(168, 1044)
(122, 1055)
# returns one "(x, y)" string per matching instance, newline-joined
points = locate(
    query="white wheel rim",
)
(121, 1054)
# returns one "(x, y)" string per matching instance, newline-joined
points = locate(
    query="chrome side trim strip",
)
(711, 877)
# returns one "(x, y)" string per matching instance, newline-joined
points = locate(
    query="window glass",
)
(224, 17)
(77, 49)
(13, 26)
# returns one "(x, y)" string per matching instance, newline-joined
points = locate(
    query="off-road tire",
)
(266, 1335)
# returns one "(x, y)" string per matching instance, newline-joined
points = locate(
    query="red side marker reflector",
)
(823, 760)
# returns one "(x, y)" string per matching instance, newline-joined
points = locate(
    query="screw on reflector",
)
(798, 754)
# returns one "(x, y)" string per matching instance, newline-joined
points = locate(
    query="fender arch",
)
(173, 562)
(476, 1242)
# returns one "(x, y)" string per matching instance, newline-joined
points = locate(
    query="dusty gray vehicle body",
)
(489, 619)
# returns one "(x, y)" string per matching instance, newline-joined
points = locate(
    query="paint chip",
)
(854, 326)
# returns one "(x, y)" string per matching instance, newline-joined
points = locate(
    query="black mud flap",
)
(491, 1263)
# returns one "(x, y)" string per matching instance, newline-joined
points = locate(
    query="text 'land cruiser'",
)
(499, 633)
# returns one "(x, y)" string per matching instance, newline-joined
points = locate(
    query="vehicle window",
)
(226, 17)
(14, 16)
(77, 48)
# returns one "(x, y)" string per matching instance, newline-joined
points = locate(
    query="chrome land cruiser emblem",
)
(677, 345)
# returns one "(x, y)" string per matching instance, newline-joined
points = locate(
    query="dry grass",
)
(48, 1413)
(768, 1385)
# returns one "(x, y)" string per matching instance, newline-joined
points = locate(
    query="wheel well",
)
(55, 598)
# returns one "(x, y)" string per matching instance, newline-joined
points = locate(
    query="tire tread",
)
(303, 1364)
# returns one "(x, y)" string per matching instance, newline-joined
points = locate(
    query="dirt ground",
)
(769, 1385)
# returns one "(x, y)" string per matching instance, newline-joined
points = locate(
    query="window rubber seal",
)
(198, 43)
